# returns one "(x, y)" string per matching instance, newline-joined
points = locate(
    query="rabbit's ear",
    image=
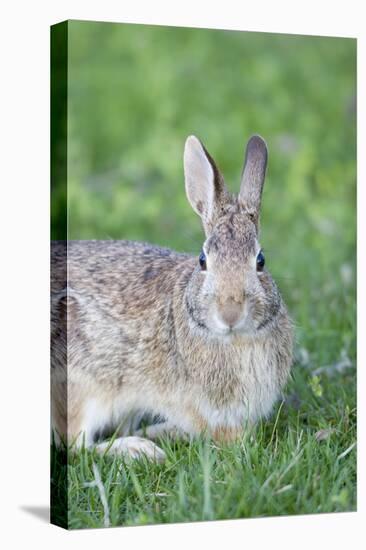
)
(252, 179)
(205, 186)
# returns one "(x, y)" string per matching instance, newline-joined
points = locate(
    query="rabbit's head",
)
(231, 290)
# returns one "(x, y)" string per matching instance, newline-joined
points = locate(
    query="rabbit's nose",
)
(230, 313)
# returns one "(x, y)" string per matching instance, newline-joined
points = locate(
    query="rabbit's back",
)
(121, 276)
(115, 269)
(118, 299)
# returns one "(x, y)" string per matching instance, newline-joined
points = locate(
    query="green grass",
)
(134, 94)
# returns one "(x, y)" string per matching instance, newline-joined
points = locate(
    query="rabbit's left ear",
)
(253, 175)
(204, 183)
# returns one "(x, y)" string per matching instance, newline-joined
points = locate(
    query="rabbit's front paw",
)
(134, 447)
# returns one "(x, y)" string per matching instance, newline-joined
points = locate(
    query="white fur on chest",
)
(255, 389)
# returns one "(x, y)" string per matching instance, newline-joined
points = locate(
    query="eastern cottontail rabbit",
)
(203, 343)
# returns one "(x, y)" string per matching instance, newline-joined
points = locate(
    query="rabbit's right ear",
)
(253, 175)
(204, 184)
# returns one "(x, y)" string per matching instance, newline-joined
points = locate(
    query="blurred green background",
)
(136, 92)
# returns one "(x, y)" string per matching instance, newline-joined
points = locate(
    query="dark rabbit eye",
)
(202, 261)
(260, 261)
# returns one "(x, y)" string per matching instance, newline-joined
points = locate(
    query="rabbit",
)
(203, 343)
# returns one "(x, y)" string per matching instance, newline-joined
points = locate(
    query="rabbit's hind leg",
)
(134, 447)
(162, 429)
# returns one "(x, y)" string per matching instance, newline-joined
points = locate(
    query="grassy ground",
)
(134, 95)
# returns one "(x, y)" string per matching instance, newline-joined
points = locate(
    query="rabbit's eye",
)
(260, 261)
(202, 261)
